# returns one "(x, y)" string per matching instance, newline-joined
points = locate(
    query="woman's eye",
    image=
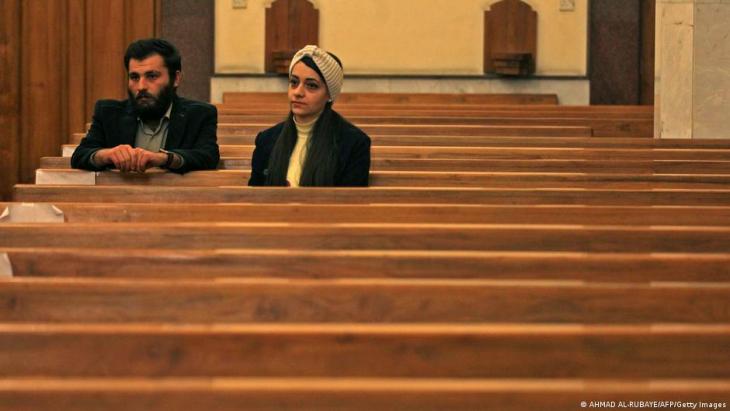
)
(312, 86)
(293, 83)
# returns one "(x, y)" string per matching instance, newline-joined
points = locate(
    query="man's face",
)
(150, 87)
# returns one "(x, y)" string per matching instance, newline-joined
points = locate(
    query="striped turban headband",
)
(328, 67)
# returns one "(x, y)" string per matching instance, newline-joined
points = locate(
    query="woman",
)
(314, 146)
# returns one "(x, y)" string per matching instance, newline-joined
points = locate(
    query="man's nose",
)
(142, 84)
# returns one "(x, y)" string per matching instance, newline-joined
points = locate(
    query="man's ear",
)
(178, 78)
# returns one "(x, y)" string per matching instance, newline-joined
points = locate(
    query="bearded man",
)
(153, 127)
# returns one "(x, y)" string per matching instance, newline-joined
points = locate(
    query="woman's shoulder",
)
(273, 130)
(353, 132)
(269, 135)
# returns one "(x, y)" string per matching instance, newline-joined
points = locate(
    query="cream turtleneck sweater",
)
(299, 155)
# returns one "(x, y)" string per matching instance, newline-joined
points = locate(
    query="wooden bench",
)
(235, 263)
(311, 236)
(394, 213)
(521, 179)
(621, 166)
(67, 300)
(433, 130)
(366, 350)
(372, 195)
(472, 142)
(601, 127)
(355, 394)
(400, 111)
(498, 153)
(401, 98)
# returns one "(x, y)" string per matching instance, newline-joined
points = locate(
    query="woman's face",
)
(307, 93)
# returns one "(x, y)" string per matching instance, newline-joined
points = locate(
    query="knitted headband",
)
(329, 67)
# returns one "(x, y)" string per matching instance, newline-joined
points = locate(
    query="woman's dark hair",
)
(141, 49)
(321, 163)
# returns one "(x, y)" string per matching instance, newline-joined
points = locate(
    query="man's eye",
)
(153, 76)
(134, 78)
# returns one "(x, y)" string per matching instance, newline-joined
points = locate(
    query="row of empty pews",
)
(510, 254)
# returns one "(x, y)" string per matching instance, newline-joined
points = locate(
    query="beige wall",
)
(692, 82)
(404, 36)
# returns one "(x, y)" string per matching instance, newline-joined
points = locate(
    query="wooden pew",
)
(403, 98)
(355, 394)
(371, 195)
(308, 236)
(426, 142)
(394, 213)
(497, 165)
(601, 127)
(504, 153)
(433, 130)
(401, 112)
(366, 350)
(276, 263)
(66, 300)
(536, 179)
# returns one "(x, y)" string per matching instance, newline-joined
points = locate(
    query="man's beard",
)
(155, 107)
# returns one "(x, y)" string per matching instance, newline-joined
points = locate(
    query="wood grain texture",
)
(362, 350)
(395, 213)
(10, 95)
(526, 176)
(268, 301)
(237, 263)
(242, 97)
(357, 394)
(290, 25)
(43, 70)
(407, 195)
(309, 236)
(510, 26)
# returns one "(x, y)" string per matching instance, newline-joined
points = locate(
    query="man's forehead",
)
(153, 62)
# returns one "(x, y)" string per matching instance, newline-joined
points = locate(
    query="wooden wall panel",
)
(105, 46)
(77, 109)
(43, 66)
(57, 58)
(9, 95)
(141, 21)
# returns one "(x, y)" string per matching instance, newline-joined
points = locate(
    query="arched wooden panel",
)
(290, 25)
(510, 38)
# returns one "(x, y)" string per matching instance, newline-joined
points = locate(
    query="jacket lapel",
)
(176, 129)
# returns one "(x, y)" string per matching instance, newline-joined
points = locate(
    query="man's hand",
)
(147, 159)
(129, 159)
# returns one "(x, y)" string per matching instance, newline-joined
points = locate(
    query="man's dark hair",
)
(141, 49)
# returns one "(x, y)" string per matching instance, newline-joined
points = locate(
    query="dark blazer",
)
(191, 133)
(353, 165)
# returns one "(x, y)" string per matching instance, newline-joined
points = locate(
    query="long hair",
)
(320, 165)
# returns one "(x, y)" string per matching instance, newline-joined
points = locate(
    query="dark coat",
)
(191, 133)
(353, 165)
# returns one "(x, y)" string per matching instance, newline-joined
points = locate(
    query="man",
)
(154, 127)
